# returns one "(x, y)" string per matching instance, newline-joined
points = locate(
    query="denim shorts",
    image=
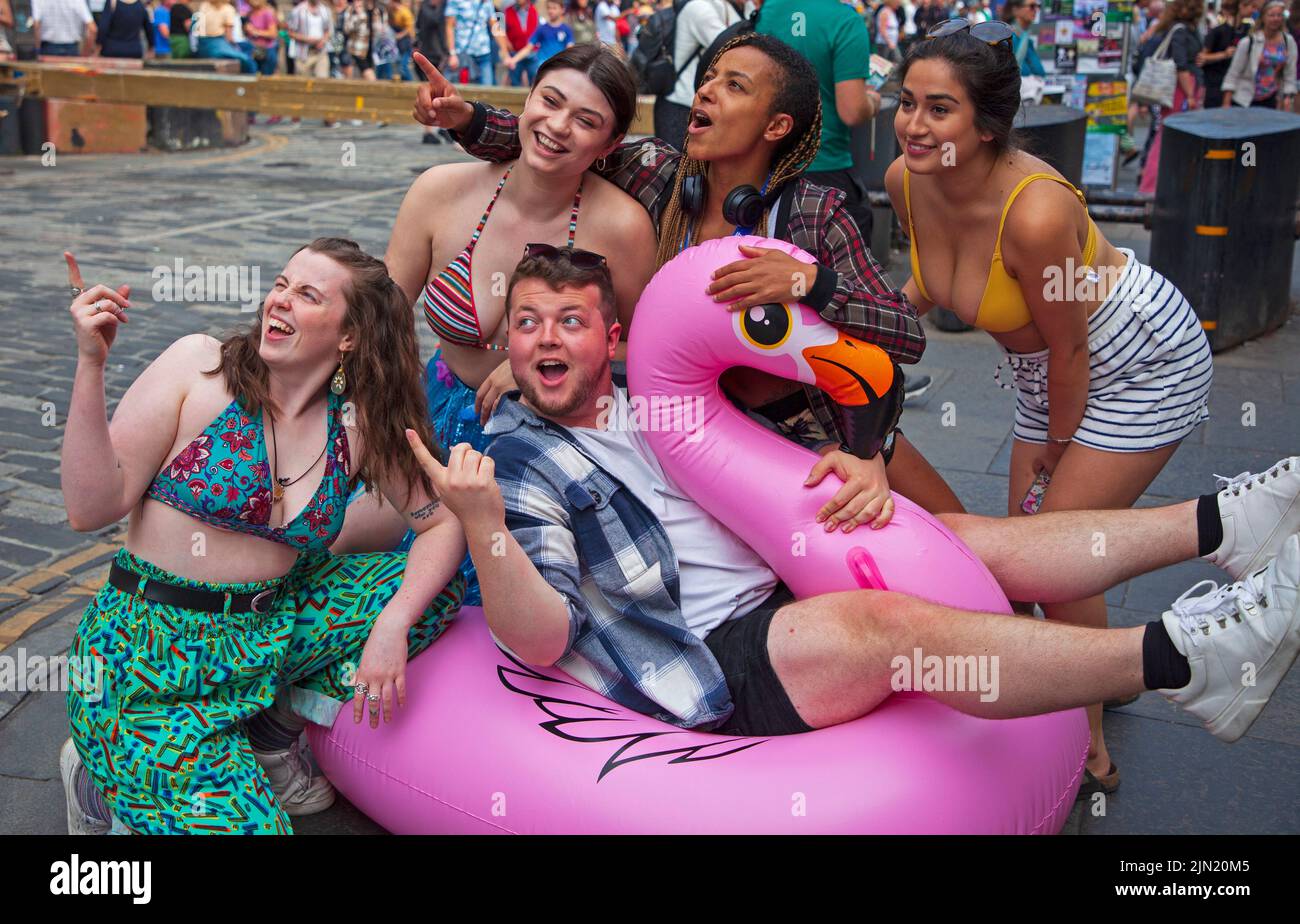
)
(762, 707)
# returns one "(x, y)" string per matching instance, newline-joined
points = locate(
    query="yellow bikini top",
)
(1002, 306)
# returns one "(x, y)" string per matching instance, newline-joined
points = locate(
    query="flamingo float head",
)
(787, 339)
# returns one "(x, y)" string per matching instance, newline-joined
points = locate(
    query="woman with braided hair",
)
(754, 127)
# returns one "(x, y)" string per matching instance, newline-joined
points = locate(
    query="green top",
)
(835, 39)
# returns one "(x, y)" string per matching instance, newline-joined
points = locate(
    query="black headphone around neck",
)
(743, 206)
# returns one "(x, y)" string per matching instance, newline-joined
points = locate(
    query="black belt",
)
(191, 598)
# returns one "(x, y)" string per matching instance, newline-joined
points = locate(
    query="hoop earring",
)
(339, 383)
(600, 164)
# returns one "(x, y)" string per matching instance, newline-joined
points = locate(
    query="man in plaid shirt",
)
(591, 559)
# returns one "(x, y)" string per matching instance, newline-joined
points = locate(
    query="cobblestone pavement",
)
(124, 216)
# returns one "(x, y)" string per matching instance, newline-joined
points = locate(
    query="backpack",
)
(652, 62)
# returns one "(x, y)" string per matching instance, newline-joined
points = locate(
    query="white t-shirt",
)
(62, 21)
(721, 577)
(698, 24)
(606, 28)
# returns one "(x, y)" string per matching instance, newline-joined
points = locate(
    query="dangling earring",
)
(339, 383)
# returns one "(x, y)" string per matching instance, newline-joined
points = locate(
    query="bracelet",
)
(1066, 441)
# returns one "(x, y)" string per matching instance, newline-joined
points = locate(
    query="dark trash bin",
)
(1223, 225)
(1055, 133)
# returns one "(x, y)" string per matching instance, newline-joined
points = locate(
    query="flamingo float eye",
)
(767, 326)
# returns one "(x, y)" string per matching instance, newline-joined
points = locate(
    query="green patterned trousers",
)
(161, 732)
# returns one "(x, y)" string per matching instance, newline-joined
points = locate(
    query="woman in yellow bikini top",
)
(1111, 368)
(1002, 307)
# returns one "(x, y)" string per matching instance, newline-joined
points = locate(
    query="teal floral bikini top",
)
(223, 478)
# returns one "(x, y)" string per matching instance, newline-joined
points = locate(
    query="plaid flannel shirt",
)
(610, 559)
(850, 291)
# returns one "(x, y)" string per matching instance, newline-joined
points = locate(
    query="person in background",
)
(836, 42)
(362, 21)
(1147, 41)
(161, 17)
(431, 40)
(581, 22)
(1263, 70)
(1178, 23)
(340, 60)
(402, 21)
(698, 24)
(6, 30)
(549, 39)
(607, 14)
(178, 31)
(1221, 43)
(521, 22)
(63, 28)
(216, 27)
(120, 26)
(264, 34)
(1020, 15)
(469, 32)
(888, 31)
(311, 24)
(1293, 20)
(430, 31)
(928, 14)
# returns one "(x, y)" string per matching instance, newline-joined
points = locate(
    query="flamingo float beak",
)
(853, 372)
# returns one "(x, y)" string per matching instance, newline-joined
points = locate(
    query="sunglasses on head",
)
(581, 259)
(991, 33)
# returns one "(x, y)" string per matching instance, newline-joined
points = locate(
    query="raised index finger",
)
(74, 272)
(423, 456)
(435, 76)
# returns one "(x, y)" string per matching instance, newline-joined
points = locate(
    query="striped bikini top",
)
(223, 478)
(448, 298)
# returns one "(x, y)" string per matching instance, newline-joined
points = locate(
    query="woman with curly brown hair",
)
(226, 623)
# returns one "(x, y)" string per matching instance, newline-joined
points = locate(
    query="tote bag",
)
(1159, 75)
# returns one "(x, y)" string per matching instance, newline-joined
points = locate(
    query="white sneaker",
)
(299, 792)
(78, 821)
(1258, 513)
(1248, 631)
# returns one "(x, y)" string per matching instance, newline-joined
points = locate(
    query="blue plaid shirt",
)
(610, 559)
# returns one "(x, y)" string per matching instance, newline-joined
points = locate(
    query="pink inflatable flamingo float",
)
(489, 745)
(750, 478)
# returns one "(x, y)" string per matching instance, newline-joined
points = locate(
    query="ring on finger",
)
(373, 698)
(76, 290)
(362, 689)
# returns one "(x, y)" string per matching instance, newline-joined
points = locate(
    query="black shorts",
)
(762, 706)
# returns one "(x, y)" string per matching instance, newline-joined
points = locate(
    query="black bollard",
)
(1054, 133)
(1223, 229)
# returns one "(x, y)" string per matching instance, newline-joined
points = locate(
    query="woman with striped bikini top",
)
(447, 301)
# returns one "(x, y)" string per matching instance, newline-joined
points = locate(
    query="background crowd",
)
(1226, 52)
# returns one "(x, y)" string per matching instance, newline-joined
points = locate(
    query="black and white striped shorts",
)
(1151, 369)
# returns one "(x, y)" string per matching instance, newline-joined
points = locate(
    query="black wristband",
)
(475, 127)
(819, 296)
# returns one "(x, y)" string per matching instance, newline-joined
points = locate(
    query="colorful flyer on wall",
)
(1106, 103)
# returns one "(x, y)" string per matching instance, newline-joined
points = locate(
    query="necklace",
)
(278, 484)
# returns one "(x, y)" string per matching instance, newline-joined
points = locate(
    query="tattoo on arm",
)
(426, 511)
